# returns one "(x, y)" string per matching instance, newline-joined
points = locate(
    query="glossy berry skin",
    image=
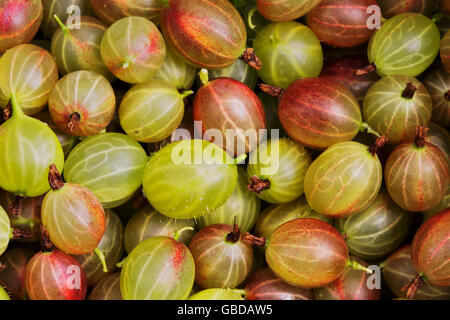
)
(416, 48)
(74, 219)
(377, 230)
(151, 111)
(107, 289)
(275, 215)
(19, 22)
(445, 51)
(111, 245)
(445, 203)
(319, 113)
(60, 8)
(343, 180)
(148, 223)
(341, 24)
(307, 253)
(288, 51)
(437, 83)
(87, 94)
(430, 249)
(284, 163)
(219, 262)
(285, 10)
(387, 112)
(159, 268)
(12, 276)
(112, 10)
(390, 8)
(227, 104)
(5, 230)
(351, 285)
(239, 71)
(416, 177)
(55, 276)
(133, 49)
(343, 71)
(219, 294)
(78, 47)
(186, 170)
(30, 73)
(440, 137)
(111, 165)
(264, 285)
(206, 34)
(398, 270)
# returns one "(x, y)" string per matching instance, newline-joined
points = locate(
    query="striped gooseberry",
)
(110, 164)
(391, 8)
(438, 84)
(398, 269)
(107, 289)
(3, 294)
(417, 174)
(277, 214)
(19, 22)
(112, 10)
(377, 230)
(445, 203)
(133, 49)
(288, 51)
(82, 103)
(341, 24)
(285, 10)
(238, 70)
(12, 271)
(344, 179)
(395, 106)
(148, 223)
(205, 33)
(55, 275)
(219, 294)
(5, 230)
(231, 115)
(27, 148)
(29, 73)
(445, 51)
(151, 111)
(111, 245)
(343, 71)
(440, 137)
(430, 252)
(78, 47)
(61, 8)
(351, 285)
(176, 72)
(243, 205)
(159, 268)
(264, 285)
(222, 258)
(187, 170)
(276, 170)
(406, 45)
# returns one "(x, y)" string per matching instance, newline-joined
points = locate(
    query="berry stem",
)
(379, 143)
(253, 240)
(204, 76)
(355, 265)
(7, 111)
(46, 244)
(366, 128)
(258, 185)
(272, 90)
(409, 91)
(250, 58)
(234, 235)
(62, 25)
(186, 93)
(121, 263)
(240, 158)
(101, 256)
(74, 120)
(178, 233)
(54, 178)
(16, 109)
(366, 70)
(16, 206)
(20, 234)
(421, 133)
(412, 287)
(250, 18)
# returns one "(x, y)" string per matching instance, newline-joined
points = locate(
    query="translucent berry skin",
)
(5, 230)
(74, 219)
(107, 289)
(159, 268)
(445, 203)
(417, 178)
(78, 47)
(19, 22)
(285, 10)
(414, 51)
(341, 24)
(55, 276)
(186, 170)
(264, 285)
(288, 51)
(390, 8)
(307, 253)
(133, 49)
(206, 34)
(88, 94)
(30, 73)
(12, 277)
(227, 104)
(440, 137)
(445, 51)
(437, 83)
(218, 294)
(430, 249)
(151, 111)
(343, 180)
(319, 113)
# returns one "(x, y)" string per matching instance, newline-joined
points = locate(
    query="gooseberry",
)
(438, 84)
(107, 289)
(285, 10)
(12, 271)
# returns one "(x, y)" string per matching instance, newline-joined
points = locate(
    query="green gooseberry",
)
(5, 230)
(219, 294)
(3, 294)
